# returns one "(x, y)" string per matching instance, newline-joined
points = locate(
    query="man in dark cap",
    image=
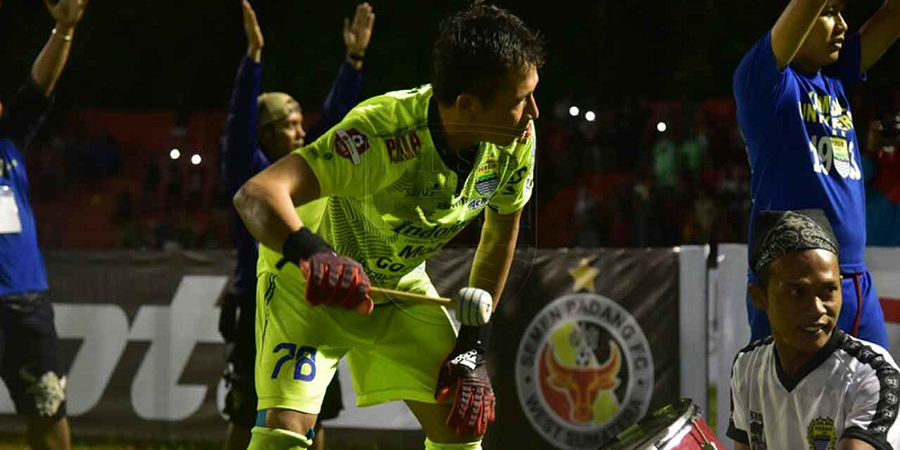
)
(808, 385)
(260, 130)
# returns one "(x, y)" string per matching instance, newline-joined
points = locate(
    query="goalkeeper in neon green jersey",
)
(366, 204)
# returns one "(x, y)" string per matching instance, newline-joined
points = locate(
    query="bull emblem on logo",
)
(582, 386)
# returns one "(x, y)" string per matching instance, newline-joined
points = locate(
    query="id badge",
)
(9, 212)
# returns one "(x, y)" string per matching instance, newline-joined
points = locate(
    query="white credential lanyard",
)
(9, 212)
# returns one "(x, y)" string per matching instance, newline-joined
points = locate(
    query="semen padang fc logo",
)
(576, 381)
(584, 371)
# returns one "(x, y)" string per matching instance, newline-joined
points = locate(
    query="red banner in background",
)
(891, 308)
(884, 265)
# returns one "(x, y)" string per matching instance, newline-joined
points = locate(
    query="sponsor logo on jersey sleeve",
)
(403, 147)
(351, 144)
(757, 432)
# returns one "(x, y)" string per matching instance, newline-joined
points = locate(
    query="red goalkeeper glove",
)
(465, 374)
(331, 279)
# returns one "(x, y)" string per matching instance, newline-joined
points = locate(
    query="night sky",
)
(183, 54)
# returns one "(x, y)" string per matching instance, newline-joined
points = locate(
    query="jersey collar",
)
(462, 167)
(435, 127)
(837, 339)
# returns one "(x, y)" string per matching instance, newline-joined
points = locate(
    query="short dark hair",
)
(477, 48)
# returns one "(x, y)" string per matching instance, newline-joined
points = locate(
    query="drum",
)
(676, 426)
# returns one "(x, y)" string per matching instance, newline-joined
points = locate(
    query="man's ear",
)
(468, 104)
(758, 297)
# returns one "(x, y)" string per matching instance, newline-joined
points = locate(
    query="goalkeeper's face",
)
(505, 117)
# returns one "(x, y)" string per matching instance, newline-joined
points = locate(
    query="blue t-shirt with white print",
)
(801, 142)
(21, 262)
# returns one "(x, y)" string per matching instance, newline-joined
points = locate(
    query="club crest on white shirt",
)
(821, 434)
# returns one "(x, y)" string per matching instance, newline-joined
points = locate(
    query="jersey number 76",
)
(305, 356)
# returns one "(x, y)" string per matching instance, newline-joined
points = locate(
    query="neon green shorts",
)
(394, 354)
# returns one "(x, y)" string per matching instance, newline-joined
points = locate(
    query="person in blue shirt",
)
(29, 347)
(795, 117)
(260, 129)
(881, 170)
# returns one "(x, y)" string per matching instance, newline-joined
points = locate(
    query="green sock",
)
(263, 438)
(429, 445)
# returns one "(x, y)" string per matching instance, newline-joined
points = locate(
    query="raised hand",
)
(358, 33)
(66, 13)
(253, 32)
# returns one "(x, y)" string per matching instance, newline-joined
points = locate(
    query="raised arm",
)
(240, 126)
(792, 27)
(358, 33)
(879, 33)
(253, 32)
(344, 94)
(50, 62)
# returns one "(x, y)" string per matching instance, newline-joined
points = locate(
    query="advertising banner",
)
(584, 343)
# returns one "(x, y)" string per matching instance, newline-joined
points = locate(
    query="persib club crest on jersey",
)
(351, 144)
(821, 434)
(584, 371)
(486, 178)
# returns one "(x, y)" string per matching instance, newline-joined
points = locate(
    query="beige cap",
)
(274, 106)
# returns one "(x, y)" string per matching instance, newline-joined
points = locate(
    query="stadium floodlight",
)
(573, 111)
(175, 154)
(195, 160)
(590, 116)
(661, 127)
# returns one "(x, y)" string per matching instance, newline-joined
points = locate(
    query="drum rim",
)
(682, 422)
(685, 409)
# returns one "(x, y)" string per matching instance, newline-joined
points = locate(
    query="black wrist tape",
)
(301, 244)
(473, 336)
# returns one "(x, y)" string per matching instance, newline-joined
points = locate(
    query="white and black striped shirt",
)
(849, 390)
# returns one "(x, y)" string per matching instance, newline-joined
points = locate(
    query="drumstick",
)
(403, 295)
(474, 306)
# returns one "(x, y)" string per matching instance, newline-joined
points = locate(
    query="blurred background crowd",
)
(636, 148)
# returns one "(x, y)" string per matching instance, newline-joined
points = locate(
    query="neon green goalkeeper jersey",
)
(387, 198)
